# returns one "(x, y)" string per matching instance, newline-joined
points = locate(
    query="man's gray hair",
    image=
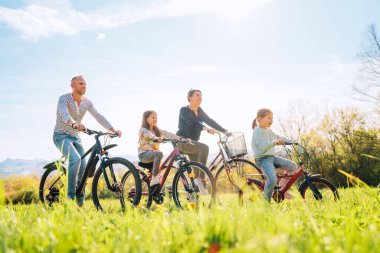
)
(76, 77)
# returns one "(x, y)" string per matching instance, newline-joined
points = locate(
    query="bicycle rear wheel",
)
(189, 190)
(233, 180)
(52, 184)
(114, 197)
(320, 189)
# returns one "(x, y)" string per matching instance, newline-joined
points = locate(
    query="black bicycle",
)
(107, 188)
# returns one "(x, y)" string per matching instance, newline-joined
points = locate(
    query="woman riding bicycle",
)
(190, 125)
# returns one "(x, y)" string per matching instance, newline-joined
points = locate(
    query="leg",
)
(290, 167)
(80, 150)
(156, 157)
(197, 153)
(267, 166)
(65, 144)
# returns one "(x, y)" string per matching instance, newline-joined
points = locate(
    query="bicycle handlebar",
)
(300, 148)
(99, 133)
(220, 135)
(291, 143)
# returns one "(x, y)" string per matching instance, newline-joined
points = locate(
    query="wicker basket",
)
(234, 145)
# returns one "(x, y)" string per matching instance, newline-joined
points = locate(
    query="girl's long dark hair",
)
(145, 124)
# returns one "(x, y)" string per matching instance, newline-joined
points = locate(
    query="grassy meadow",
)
(349, 225)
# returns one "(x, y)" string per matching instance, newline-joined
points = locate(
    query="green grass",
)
(20, 189)
(350, 225)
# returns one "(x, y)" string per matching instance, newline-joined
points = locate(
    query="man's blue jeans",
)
(71, 147)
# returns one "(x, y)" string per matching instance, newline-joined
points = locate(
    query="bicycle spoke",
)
(194, 187)
(233, 181)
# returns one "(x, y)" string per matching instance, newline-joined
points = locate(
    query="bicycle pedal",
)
(158, 198)
(154, 189)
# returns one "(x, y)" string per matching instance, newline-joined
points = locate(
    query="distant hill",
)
(25, 167)
(10, 167)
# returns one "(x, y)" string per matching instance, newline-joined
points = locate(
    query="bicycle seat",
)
(148, 166)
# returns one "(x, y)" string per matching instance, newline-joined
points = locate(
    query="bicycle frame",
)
(167, 165)
(292, 178)
(217, 161)
(220, 158)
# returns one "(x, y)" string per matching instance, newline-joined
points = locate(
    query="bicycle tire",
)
(44, 192)
(107, 203)
(321, 184)
(192, 194)
(234, 179)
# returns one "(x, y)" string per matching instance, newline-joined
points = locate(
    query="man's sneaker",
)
(80, 200)
(201, 186)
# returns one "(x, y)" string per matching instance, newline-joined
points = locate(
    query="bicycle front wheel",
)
(319, 189)
(109, 192)
(234, 179)
(193, 186)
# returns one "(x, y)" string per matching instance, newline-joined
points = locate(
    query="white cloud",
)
(42, 18)
(192, 69)
(100, 36)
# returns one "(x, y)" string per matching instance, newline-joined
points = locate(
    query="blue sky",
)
(140, 55)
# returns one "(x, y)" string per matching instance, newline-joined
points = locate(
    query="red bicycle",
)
(187, 189)
(313, 187)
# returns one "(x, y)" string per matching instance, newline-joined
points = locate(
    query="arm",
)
(262, 143)
(209, 121)
(99, 118)
(281, 139)
(145, 133)
(63, 111)
(166, 134)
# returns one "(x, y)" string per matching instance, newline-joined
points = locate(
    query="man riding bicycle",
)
(71, 109)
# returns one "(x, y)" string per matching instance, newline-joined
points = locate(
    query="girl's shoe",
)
(201, 186)
(155, 180)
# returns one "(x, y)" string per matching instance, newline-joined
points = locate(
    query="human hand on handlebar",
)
(279, 142)
(211, 130)
(118, 132)
(78, 126)
(228, 133)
